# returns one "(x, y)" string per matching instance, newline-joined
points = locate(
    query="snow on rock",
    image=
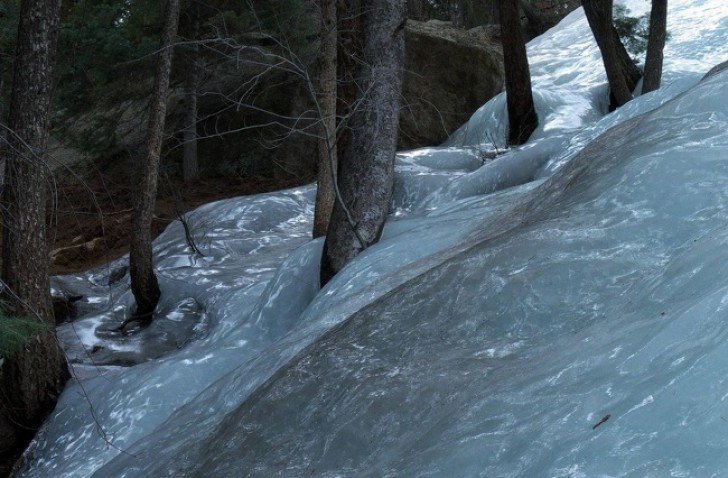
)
(512, 304)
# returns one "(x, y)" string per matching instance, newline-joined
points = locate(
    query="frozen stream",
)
(510, 307)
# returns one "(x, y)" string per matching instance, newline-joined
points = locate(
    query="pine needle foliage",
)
(16, 331)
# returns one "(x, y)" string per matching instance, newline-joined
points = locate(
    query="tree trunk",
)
(655, 46)
(631, 72)
(599, 16)
(325, 195)
(367, 166)
(348, 59)
(522, 117)
(33, 377)
(144, 284)
(190, 168)
(457, 14)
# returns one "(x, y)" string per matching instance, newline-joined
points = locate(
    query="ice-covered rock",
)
(511, 306)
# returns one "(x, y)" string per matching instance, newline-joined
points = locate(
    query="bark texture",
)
(33, 377)
(190, 168)
(325, 195)
(599, 16)
(144, 284)
(522, 117)
(655, 46)
(348, 59)
(632, 74)
(367, 165)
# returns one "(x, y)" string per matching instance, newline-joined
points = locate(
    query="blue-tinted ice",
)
(512, 304)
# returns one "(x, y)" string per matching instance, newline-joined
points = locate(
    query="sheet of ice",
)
(511, 304)
(598, 296)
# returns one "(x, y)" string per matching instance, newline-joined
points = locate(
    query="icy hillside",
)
(511, 307)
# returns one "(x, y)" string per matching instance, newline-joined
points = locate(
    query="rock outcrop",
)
(450, 72)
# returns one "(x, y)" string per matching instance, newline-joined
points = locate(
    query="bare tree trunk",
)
(348, 60)
(599, 16)
(631, 72)
(327, 95)
(33, 377)
(457, 14)
(655, 46)
(190, 168)
(522, 117)
(367, 166)
(144, 284)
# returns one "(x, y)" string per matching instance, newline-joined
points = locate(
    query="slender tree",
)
(599, 16)
(655, 46)
(367, 165)
(31, 378)
(144, 283)
(522, 117)
(193, 70)
(348, 59)
(632, 74)
(327, 94)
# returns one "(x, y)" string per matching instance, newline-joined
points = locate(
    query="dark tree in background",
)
(193, 71)
(367, 165)
(144, 283)
(599, 16)
(630, 71)
(33, 376)
(522, 117)
(326, 101)
(655, 46)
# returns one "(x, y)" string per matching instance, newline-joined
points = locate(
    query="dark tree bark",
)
(631, 72)
(599, 16)
(457, 14)
(655, 46)
(522, 117)
(33, 377)
(193, 70)
(325, 195)
(367, 165)
(144, 284)
(348, 60)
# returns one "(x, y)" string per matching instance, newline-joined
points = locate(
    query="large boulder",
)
(449, 73)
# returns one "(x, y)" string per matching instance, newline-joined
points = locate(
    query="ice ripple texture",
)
(512, 304)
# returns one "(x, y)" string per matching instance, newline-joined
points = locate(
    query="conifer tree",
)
(32, 376)
(144, 283)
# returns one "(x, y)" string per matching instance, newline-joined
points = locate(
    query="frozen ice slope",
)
(510, 306)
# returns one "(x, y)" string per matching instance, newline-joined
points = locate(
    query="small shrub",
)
(634, 31)
(16, 331)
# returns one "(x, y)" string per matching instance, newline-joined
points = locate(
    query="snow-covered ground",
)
(511, 305)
